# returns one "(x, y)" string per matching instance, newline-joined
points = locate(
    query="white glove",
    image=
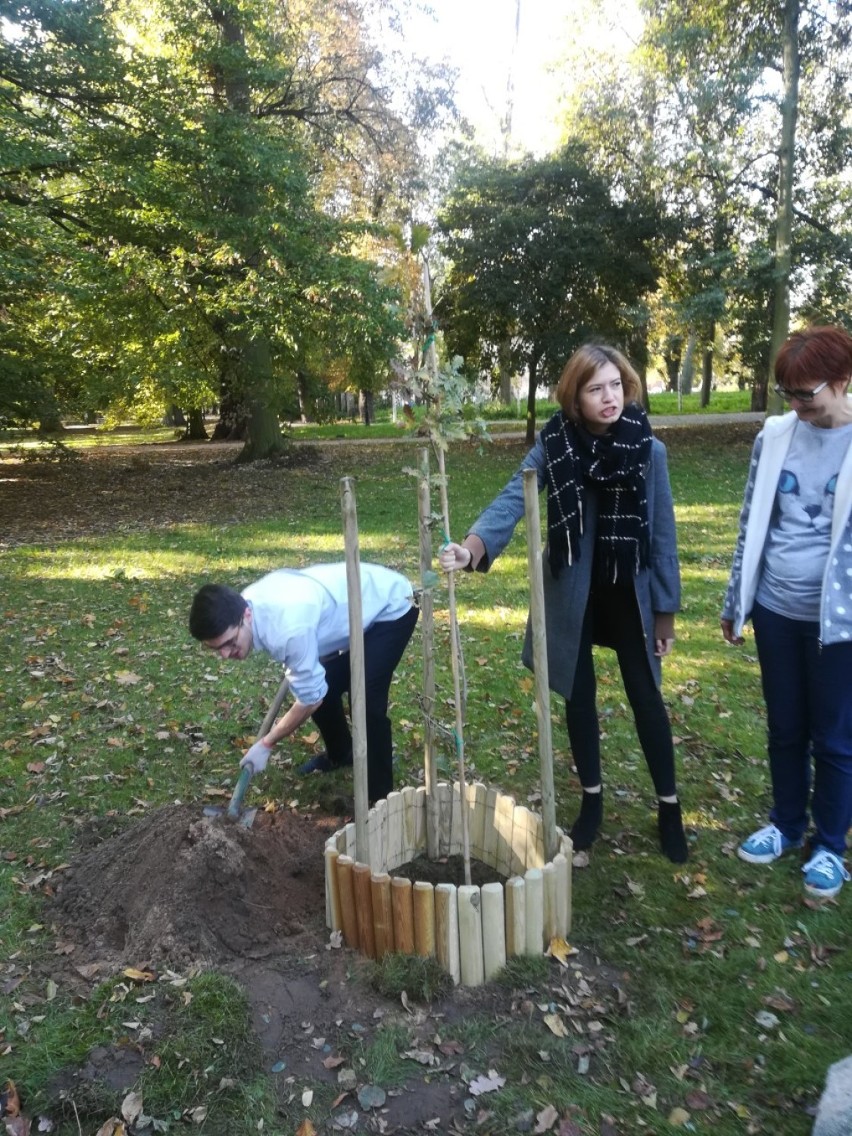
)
(454, 556)
(258, 755)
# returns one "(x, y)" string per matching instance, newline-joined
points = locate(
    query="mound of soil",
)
(180, 888)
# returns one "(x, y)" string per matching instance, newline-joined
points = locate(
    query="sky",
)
(478, 38)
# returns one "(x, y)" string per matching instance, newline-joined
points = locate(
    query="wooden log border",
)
(470, 930)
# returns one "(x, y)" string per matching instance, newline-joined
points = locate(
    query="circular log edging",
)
(471, 931)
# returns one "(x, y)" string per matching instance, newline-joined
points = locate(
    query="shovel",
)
(235, 811)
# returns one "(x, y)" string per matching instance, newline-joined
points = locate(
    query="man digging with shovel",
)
(301, 618)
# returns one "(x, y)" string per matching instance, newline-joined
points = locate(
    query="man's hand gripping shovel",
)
(235, 811)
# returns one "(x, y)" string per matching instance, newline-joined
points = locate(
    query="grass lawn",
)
(727, 993)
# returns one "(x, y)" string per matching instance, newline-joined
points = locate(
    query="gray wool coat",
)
(566, 597)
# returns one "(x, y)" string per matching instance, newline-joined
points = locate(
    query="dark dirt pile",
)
(180, 888)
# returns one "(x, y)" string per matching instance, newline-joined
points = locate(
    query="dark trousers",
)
(384, 644)
(808, 698)
(626, 636)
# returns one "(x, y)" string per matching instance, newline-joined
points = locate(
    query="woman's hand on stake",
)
(453, 556)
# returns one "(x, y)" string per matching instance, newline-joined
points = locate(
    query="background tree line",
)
(224, 204)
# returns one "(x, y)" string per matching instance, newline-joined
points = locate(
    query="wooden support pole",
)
(493, 930)
(458, 666)
(348, 918)
(403, 915)
(424, 919)
(364, 909)
(539, 645)
(380, 887)
(447, 930)
(427, 626)
(357, 698)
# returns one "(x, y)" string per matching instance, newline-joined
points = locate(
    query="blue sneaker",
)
(766, 845)
(825, 874)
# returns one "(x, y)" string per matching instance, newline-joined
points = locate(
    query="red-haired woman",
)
(614, 577)
(792, 576)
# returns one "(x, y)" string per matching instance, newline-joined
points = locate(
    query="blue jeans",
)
(384, 644)
(808, 693)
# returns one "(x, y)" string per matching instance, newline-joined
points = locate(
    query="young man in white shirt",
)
(301, 618)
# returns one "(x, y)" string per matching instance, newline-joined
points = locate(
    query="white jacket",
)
(767, 460)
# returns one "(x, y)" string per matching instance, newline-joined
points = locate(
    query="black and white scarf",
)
(615, 464)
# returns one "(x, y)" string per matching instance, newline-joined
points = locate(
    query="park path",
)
(658, 422)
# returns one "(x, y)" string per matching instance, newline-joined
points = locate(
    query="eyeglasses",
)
(229, 643)
(800, 396)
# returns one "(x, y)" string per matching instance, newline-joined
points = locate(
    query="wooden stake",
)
(470, 936)
(534, 905)
(455, 655)
(403, 915)
(427, 623)
(447, 930)
(364, 909)
(332, 889)
(539, 645)
(348, 918)
(380, 887)
(516, 923)
(493, 930)
(424, 919)
(357, 698)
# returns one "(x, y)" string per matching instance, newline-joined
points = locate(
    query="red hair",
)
(815, 354)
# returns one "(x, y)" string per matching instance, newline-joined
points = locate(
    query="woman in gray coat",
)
(613, 574)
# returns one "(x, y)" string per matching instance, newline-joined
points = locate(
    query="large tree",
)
(210, 170)
(542, 257)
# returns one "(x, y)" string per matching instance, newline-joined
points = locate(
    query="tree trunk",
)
(533, 373)
(707, 369)
(265, 439)
(687, 372)
(786, 174)
(195, 428)
(365, 407)
(504, 374)
(174, 416)
(305, 404)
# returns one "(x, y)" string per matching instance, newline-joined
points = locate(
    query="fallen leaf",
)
(546, 1119)
(371, 1096)
(698, 1100)
(556, 1025)
(486, 1084)
(10, 1102)
(113, 1127)
(780, 1000)
(678, 1117)
(131, 1107)
(306, 1129)
(139, 975)
(766, 1020)
(561, 950)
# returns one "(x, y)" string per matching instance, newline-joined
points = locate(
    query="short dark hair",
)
(216, 607)
(816, 353)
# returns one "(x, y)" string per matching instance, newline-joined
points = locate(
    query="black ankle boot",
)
(585, 828)
(672, 836)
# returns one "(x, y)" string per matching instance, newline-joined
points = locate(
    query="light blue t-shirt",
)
(799, 537)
